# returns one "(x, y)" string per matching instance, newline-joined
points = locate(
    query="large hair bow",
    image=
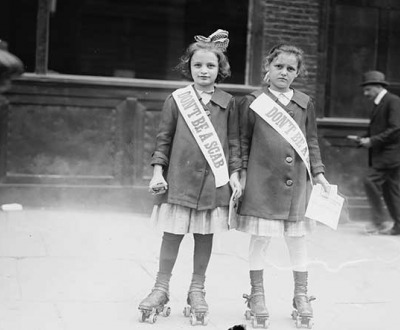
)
(219, 38)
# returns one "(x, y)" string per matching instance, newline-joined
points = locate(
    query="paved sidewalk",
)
(76, 270)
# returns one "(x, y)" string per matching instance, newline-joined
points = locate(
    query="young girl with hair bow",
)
(196, 166)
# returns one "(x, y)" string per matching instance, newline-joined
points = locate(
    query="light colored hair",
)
(224, 69)
(288, 49)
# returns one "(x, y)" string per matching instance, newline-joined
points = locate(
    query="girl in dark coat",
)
(276, 177)
(197, 147)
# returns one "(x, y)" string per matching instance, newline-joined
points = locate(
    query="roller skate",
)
(155, 303)
(302, 313)
(197, 309)
(257, 312)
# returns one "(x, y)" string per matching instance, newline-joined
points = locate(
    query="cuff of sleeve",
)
(373, 141)
(317, 170)
(158, 158)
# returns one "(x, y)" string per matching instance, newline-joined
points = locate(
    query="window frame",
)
(327, 46)
(254, 47)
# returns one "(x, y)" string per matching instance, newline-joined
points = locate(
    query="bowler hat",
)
(10, 65)
(374, 78)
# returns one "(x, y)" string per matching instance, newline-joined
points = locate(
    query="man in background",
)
(383, 142)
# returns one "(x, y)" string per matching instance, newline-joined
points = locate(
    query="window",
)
(141, 38)
(365, 37)
(18, 28)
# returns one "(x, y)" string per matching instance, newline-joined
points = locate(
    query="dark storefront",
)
(81, 122)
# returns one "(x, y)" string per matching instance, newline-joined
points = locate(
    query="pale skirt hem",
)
(177, 219)
(273, 228)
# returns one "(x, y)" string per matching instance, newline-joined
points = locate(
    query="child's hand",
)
(158, 185)
(320, 178)
(243, 175)
(235, 185)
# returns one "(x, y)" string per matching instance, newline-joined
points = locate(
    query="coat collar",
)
(299, 98)
(378, 106)
(219, 97)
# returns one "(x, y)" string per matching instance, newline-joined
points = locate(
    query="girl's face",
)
(282, 71)
(204, 68)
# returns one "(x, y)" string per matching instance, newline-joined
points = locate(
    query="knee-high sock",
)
(298, 252)
(202, 252)
(257, 251)
(169, 252)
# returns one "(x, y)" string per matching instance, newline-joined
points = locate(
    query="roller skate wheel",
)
(186, 311)
(298, 323)
(254, 322)
(310, 323)
(266, 324)
(153, 318)
(205, 319)
(141, 316)
(193, 319)
(166, 311)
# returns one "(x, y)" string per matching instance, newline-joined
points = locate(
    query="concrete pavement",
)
(83, 270)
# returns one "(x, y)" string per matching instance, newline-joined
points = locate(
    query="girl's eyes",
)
(290, 69)
(198, 65)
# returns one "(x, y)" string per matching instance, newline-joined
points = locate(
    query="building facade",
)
(80, 126)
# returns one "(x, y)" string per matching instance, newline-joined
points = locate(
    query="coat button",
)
(289, 159)
(289, 183)
(206, 172)
(291, 113)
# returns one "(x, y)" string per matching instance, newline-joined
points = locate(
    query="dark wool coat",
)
(191, 182)
(277, 186)
(384, 132)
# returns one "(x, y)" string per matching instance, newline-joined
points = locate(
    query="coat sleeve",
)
(166, 132)
(246, 125)
(312, 141)
(392, 131)
(235, 161)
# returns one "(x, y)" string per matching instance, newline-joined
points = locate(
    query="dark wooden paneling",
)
(81, 141)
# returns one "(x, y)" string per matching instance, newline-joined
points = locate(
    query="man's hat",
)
(374, 78)
(10, 65)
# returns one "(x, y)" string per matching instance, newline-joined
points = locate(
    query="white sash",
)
(284, 124)
(203, 131)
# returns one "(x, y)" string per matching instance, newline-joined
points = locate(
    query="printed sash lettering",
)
(203, 131)
(285, 125)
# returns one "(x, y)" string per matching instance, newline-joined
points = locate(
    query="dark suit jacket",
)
(384, 132)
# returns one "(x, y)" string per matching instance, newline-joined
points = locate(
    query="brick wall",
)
(295, 22)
